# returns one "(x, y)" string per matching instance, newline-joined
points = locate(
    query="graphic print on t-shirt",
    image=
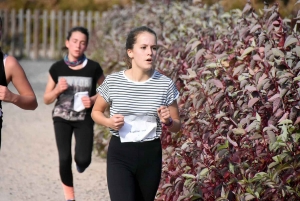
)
(64, 105)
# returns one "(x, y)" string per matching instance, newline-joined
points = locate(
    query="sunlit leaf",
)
(231, 168)
(277, 52)
(247, 51)
(166, 186)
(223, 146)
(255, 27)
(203, 173)
(250, 88)
(274, 97)
(249, 197)
(218, 83)
(252, 101)
(195, 44)
(199, 54)
(238, 131)
(238, 69)
(212, 65)
(188, 176)
(192, 73)
(290, 42)
(273, 164)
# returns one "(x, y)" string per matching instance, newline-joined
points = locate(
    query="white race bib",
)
(137, 128)
(78, 105)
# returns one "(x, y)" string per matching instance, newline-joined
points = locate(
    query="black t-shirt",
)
(84, 79)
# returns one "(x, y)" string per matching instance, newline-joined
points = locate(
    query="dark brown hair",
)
(74, 29)
(131, 40)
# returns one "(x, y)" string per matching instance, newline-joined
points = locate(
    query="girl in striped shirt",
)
(141, 100)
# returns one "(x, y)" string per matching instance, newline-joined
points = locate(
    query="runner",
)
(12, 71)
(72, 82)
(141, 100)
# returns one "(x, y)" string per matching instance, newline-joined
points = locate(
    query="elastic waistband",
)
(154, 140)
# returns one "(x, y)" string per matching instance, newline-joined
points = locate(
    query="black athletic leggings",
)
(0, 138)
(84, 133)
(133, 169)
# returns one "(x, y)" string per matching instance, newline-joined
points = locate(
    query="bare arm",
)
(99, 82)
(165, 113)
(26, 98)
(115, 122)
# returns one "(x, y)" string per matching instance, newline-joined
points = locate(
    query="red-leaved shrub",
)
(238, 73)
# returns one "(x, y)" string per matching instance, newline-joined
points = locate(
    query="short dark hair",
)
(131, 40)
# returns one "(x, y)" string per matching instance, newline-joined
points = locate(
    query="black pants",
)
(133, 169)
(0, 129)
(0, 138)
(84, 133)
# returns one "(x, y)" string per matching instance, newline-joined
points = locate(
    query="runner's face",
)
(76, 45)
(143, 53)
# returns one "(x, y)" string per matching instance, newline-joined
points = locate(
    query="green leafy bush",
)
(238, 74)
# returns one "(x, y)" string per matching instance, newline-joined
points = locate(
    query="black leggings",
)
(84, 133)
(0, 138)
(133, 169)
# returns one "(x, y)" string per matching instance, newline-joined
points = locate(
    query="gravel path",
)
(28, 156)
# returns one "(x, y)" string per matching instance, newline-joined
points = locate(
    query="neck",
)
(138, 75)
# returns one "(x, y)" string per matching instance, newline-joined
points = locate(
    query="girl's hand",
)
(164, 114)
(86, 101)
(117, 121)
(62, 85)
(5, 94)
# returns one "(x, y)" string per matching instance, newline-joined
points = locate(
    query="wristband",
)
(170, 122)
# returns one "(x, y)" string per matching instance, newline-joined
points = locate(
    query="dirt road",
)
(28, 156)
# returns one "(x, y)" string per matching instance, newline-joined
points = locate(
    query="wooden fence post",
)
(28, 32)
(21, 32)
(5, 27)
(45, 33)
(74, 18)
(89, 21)
(52, 34)
(67, 24)
(97, 19)
(60, 31)
(13, 31)
(82, 18)
(36, 34)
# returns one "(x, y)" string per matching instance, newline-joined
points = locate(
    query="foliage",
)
(95, 5)
(287, 7)
(238, 74)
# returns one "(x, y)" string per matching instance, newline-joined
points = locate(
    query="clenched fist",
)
(62, 85)
(5, 94)
(164, 114)
(86, 100)
(117, 121)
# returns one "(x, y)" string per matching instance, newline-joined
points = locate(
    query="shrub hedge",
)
(238, 74)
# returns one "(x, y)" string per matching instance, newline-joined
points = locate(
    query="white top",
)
(4, 59)
(141, 99)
